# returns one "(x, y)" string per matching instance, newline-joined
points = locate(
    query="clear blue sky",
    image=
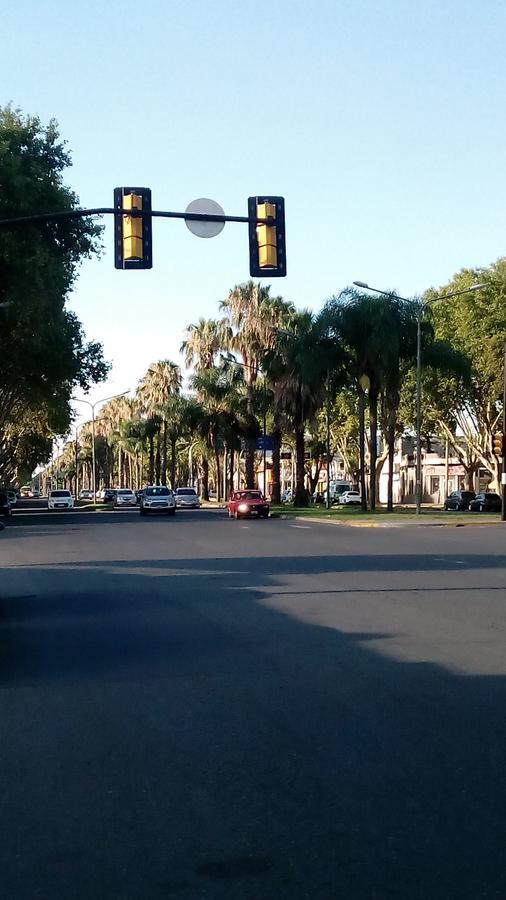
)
(381, 123)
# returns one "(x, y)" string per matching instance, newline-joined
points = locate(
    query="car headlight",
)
(243, 507)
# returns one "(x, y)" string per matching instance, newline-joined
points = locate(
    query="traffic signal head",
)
(267, 247)
(132, 234)
(499, 444)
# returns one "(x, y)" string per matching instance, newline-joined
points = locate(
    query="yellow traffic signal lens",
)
(132, 228)
(267, 238)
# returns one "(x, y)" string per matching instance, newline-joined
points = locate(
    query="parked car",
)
(187, 498)
(109, 495)
(158, 499)
(125, 497)
(459, 500)
(243, 504)
(5, 506)
(86, 495)
(486, 501)
(349, 498)
(60, 500)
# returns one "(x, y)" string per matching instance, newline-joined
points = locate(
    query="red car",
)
(247, 503)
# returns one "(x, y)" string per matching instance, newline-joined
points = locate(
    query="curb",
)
(392, 524)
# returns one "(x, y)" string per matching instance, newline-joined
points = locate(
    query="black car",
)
(459, 500)
(486, 501)
(110, 495)
(5, 507)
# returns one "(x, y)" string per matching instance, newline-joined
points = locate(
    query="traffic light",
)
(132, 234)
(267, 248)
(499, 444)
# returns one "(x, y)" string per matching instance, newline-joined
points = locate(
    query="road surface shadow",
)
(178, 736)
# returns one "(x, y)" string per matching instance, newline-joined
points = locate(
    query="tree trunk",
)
(276, 463)
(249, 456)
(151, 465)
(205, 479)
(392, 428)
(361, 446)
(225, 472)
(301, 497)
(231, 471)
(173, 441)
(314, 479)
(163, 460)
(373, 426)
(218, 475)
(158, 458)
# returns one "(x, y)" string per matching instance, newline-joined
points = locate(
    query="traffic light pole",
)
(134, 213)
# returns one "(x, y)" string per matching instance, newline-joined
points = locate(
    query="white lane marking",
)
(299, 526)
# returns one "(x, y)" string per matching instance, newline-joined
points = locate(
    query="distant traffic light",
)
(132, 234)
(499, 444)
(267, 246)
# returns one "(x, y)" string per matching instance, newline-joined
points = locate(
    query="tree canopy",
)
(45, 354)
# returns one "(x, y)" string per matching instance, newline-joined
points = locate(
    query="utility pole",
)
(503, 473)
(327, 502)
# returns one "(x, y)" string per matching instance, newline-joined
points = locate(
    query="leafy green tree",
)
(475, 325)
(44, 351)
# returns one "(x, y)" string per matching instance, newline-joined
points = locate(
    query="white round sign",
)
(200, 227)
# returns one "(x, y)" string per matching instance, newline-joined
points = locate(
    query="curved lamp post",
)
(92, 407)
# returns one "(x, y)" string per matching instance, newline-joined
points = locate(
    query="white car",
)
(158, 499)
(125, 497)
(350, 498)
(85, 494)
(60, 500)
(187, 498)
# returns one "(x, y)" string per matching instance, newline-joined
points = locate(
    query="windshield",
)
(127, 492)
(186, 492)
(250, 495)
(60, 493)
(157, 492)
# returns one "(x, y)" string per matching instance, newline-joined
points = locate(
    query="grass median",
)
(401, 514)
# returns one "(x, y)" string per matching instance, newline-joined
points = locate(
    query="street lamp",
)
(469, 290)
(92, 407)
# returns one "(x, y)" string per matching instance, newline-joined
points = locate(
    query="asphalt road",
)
(204, 708)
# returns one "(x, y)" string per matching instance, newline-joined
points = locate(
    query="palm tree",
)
(253, 318)
(203, 342)
(218, 414)
(161, 381)
(299, 368)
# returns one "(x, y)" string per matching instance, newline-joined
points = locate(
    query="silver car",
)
(187, 498)
(158, 499)
(125, 497)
